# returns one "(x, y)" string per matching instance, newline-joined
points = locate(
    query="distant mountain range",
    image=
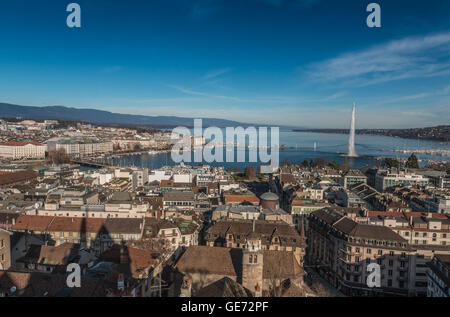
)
(105, 117)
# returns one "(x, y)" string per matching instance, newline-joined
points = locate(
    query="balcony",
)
(344, 260)
(346, 252)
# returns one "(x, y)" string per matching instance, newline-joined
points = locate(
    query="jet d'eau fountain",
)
(351, 139)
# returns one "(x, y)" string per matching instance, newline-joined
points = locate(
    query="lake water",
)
(332, 147)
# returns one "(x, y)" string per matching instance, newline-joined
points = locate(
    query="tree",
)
(250, 172)
(412, 162)
(305, 163)
(320, 162)
(137, 147)
(334, 165)
(58, 157)
(390, 162)
(345, 167)
(286, 162)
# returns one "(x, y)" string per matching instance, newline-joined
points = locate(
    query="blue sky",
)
(291, 62)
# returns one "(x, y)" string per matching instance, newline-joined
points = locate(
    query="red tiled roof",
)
(37, 223)
(139, 260)
(75, 224)
(241, 199)
(15, 177)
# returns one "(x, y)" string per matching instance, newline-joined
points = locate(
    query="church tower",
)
(252, 265)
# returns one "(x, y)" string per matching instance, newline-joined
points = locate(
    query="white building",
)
(393, 178)
(22, 150)
(159, 175)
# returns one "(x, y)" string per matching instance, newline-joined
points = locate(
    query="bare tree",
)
(58, 157)
(250, 172)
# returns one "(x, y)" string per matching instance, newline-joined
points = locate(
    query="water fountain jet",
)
(351, 139)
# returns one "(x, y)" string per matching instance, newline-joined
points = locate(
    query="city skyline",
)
(295, 63)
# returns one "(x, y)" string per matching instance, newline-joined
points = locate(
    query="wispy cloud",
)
(416, 57)
(216, 73)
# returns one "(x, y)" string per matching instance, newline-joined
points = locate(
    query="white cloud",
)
(415, 57)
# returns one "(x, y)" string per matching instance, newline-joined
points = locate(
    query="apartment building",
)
(122, 205)
(352, 178)
(80, 148)
(202, 180)
(277, 236)
(95, 148)
(341, 249)
(139, 177)
(96, 233)
(5, 249)
(419, 229)
(175, 235)
(439, 276)
(22, 150)
(180, 199)
(394, 177)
